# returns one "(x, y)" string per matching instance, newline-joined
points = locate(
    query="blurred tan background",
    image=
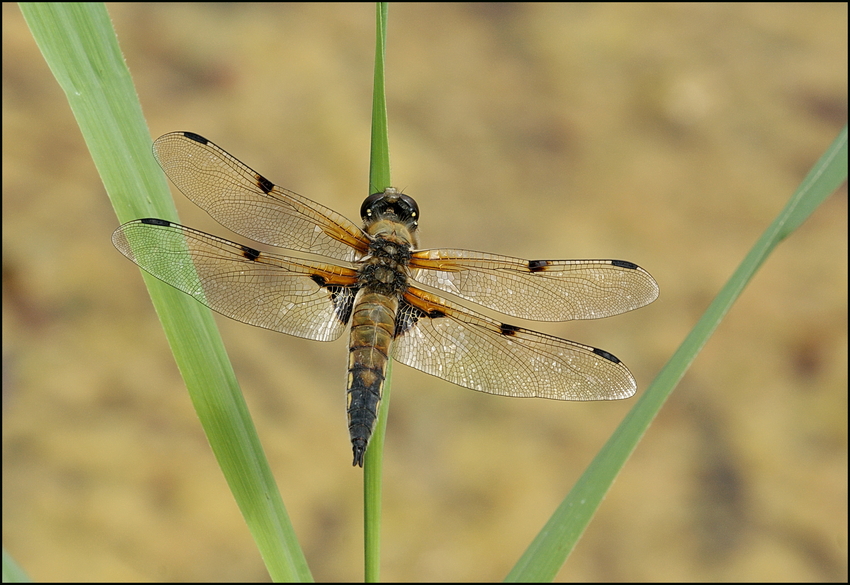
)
(668, 135)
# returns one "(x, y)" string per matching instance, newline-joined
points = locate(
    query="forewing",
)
(301, 298)
(540, 290)
(246, 202)
(476, 352)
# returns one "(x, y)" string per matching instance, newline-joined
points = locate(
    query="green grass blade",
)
(379, 159)
(550, 549)
(12, 572)
(379, 179)
(81, 49)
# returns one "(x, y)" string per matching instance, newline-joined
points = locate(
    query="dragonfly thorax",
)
(385, 269)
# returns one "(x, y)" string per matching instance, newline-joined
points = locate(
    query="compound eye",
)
(390, 203)
(412, 211)
(366, 210)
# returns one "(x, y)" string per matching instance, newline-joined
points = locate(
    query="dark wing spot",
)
(250, 253)
(537, 265)
(606, 355)
(343, 299)
(404, 321)
(508, 330)
(195, 137)
(624, 264)
(264, 184)
(407, 317)
(155, 221)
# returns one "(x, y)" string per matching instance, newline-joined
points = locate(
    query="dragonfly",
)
(376, 279)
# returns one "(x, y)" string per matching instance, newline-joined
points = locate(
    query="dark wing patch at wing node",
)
(264, 184)
(537, 265)
(250, 253)
(319, 280)
(508, 330)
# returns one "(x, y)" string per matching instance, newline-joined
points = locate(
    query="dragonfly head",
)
(390, 205)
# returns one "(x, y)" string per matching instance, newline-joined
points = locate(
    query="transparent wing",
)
(540, 290)
(301, 298)
(244, 201)
(476, 352)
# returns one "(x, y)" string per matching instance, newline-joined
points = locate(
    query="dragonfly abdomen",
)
(372, 331)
